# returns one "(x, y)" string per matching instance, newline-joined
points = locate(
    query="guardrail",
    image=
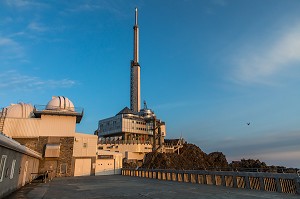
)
(44, 176)
(123, 142)
(276, 182)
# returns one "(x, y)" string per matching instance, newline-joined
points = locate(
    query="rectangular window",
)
(2, 166)
(63, 168)
(105, 157)
(12, 170)
(52, 150)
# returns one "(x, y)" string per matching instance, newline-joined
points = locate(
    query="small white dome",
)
(20, 110)
(60, 103)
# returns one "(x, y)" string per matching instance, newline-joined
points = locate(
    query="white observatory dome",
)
(20, 110)
(60, 103)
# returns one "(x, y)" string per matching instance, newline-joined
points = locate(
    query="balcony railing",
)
(57, 110)
(123, 142)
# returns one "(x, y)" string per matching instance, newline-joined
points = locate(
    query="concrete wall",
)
(53, 125)
(18, 167)
(47, 125)
(108, 163)
(22, 127)
(85, 145)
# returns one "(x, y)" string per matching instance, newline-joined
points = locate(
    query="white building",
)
(51, 131)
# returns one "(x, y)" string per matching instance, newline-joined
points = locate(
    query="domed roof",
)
(146, 113)
(20, 110)
(60, 103)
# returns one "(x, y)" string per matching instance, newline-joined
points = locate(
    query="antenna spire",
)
(136, 16)
(136, 39)
(135, 90)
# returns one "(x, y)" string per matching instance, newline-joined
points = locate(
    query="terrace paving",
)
(121, 187)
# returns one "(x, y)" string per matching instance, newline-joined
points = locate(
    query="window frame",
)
(2, 166)
(12, 170)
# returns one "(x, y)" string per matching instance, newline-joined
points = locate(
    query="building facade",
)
(51, 131)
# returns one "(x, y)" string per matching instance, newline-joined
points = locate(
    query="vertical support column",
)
(297, 181)
(247, 182)
(189, 177)
(223, 180)
(213, 179)
(278, 185)
(196, 178)
(182, 176)
(261, 183)
(234, 180)
(176, 176)
(204, 179)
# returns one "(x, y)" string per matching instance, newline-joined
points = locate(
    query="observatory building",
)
(50, 130)
(133, 131)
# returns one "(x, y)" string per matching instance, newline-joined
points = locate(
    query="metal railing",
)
(276, 182)
(266, 170)
(58, 109)
(43, 176)
(124, 142)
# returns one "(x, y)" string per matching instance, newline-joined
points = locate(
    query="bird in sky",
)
(248, 123)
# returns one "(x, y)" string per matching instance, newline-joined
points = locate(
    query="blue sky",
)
(207, 67)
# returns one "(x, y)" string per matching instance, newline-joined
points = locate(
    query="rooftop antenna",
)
(136, 16)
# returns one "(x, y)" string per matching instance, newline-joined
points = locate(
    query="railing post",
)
(297, 182)
(223, 180)
(261, 183)
(247, 182)
(196, 178)
(278, 185)
(204, 179)
(189, 177)
(213, 179)
(234, 180)
(175, 175)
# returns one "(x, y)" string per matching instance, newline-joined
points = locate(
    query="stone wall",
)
(61, 166)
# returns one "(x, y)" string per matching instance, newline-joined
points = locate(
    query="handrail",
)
(56, 109)
(264, 181)
(123, 142)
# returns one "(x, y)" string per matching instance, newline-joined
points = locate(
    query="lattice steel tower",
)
(135, 91)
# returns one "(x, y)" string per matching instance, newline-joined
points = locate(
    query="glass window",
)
(2, 165)
(12, 170)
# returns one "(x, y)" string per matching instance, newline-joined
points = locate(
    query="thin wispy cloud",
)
(14, 80)
(265, 63)
(105, 5)
(272, 148)
(34, 26)
(10, 49)
(24, 3)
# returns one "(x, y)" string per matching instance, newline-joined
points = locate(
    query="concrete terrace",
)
(118, 186)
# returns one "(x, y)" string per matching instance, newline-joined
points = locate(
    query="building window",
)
(2, 165)
(63, 168)
(12, 170)
(84, 145)
(52, 150)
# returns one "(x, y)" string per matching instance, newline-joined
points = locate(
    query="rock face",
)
(190, 157)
